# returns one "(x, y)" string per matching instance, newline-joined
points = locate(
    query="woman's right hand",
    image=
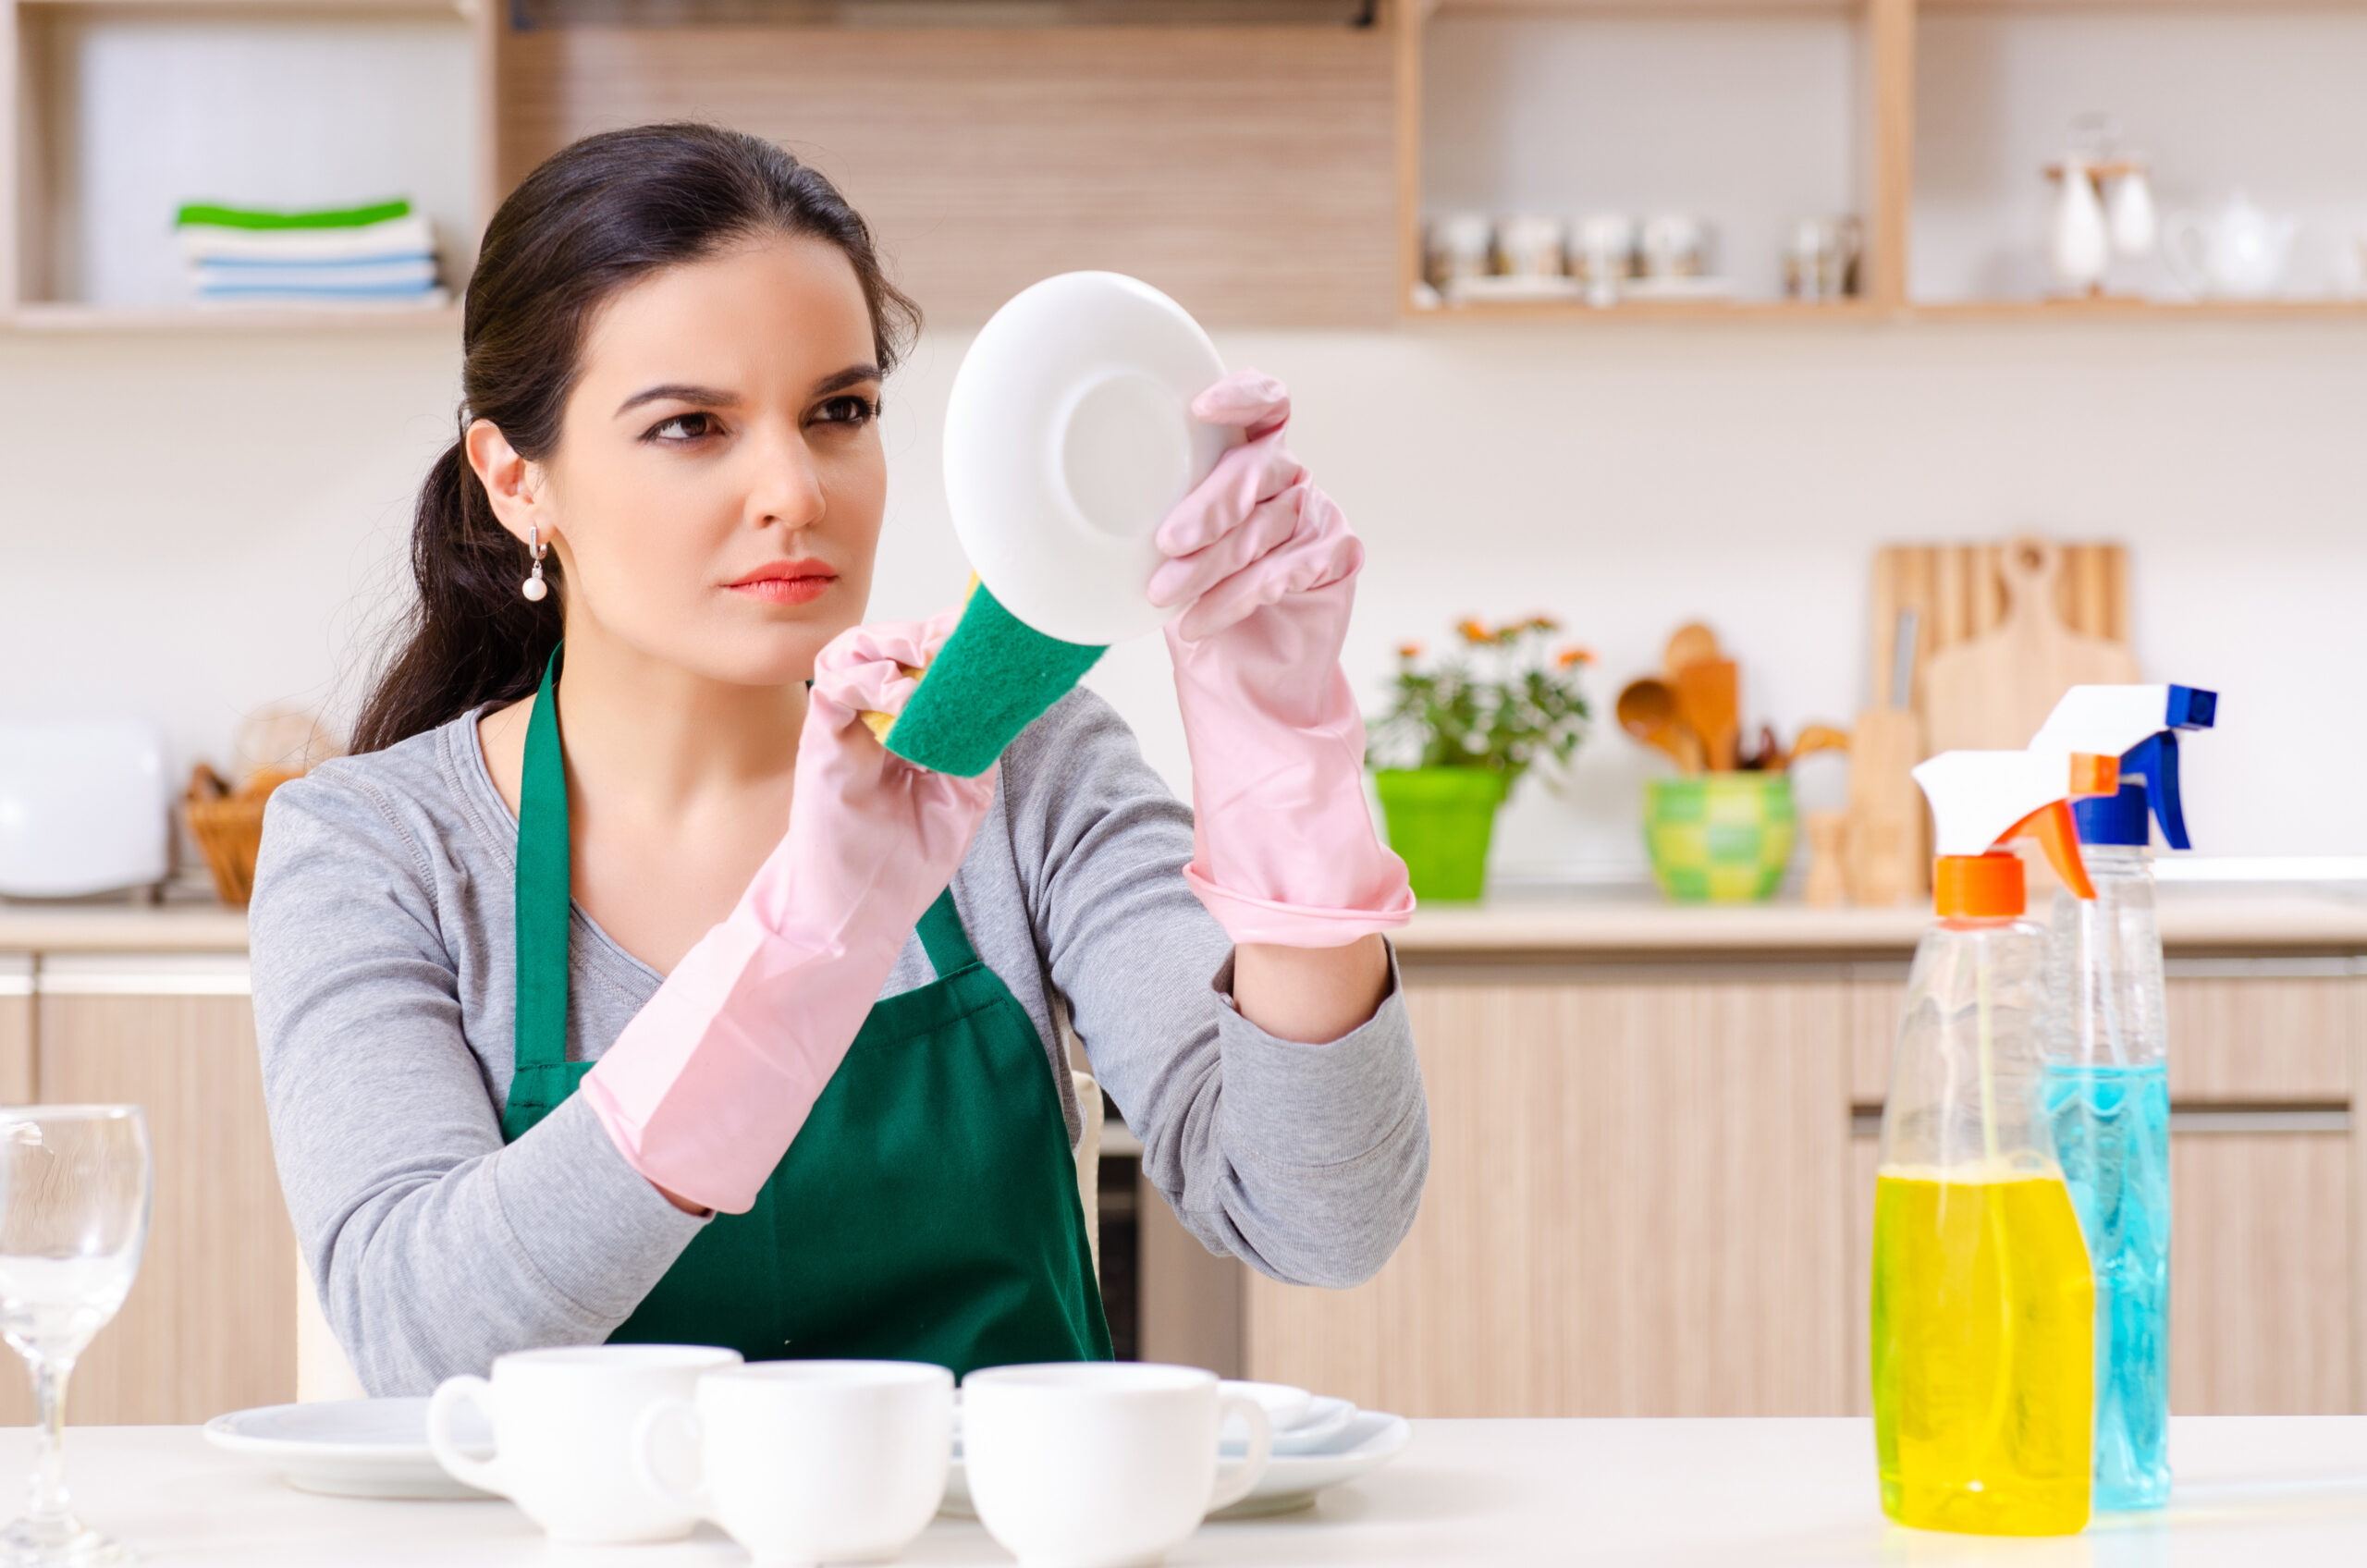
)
(706, 1087)
(869, 833)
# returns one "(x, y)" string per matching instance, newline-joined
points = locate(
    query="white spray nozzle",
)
(1980, 797)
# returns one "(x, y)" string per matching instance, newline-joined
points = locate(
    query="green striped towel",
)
(207, 214)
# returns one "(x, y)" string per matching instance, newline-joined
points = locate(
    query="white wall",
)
(193, 525)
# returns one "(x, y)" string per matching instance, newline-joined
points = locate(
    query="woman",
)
(824, 1103)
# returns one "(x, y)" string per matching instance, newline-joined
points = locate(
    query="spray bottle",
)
(2106, 1080)
(1984, 1308)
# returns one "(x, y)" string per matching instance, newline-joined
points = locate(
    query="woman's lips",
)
(786, 582)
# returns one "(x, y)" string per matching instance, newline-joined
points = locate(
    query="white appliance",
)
(83, 807)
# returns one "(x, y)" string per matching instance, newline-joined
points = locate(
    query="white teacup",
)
(1096, 1464)
(805, 1462)
(563, 1435)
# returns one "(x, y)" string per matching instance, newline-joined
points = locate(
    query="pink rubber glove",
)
(710, 1081)
(1284, 850)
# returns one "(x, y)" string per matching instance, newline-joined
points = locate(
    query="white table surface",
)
(2281, 1490)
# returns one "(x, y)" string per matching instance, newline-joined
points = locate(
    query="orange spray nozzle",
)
(1981, 801)
(2057, 832)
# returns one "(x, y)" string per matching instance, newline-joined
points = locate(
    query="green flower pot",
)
(1720, 838)
(1440, 820)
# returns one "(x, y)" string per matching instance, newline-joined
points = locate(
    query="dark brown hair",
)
(594, 218)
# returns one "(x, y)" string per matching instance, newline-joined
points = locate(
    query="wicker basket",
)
(229, 826)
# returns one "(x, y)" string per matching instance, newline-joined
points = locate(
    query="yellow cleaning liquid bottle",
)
(1984, 1306)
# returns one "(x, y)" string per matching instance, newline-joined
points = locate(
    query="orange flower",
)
(1475, 630)
(1542, 623)
(1409, 650)
(1569, 656)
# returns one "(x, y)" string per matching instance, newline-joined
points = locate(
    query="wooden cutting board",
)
(1992, 691)
(1958, 594)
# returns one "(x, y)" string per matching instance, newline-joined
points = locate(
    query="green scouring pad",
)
(994, 675)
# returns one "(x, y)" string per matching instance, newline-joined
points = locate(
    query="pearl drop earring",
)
(534, 587)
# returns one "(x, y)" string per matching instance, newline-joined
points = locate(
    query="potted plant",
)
(1458, 734)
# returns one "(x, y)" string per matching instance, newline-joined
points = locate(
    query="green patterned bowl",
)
(1720, 838)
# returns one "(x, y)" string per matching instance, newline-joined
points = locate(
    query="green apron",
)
(926, 1211)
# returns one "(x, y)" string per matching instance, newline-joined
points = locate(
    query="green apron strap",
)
(543, 897)
(943, 939)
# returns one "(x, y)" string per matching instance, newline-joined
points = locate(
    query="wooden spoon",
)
(1817, 738)
(1646, 709)
(1691, 644)
(1708, 704)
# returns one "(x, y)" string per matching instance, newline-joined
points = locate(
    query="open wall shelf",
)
(1955, 110)
(1270, 174)
(123, 111)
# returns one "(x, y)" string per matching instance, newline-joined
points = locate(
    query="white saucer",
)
(1313, 1432)
(1285, 1405)
(351, 1447)
(1290, 1480)
(1069, 437)
(1299, 1418)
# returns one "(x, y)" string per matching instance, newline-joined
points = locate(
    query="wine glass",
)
(76, 1185)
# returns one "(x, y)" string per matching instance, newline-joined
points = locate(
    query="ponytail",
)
(597, 216)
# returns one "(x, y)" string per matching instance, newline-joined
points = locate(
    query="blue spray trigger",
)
(2155, 760)
(2190, 707)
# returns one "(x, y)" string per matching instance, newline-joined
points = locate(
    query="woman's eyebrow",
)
(853, 375)
(678, 392)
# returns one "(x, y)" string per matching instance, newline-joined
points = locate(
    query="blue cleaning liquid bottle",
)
(2105, 1081)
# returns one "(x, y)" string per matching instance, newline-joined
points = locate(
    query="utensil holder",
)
(1720, 838)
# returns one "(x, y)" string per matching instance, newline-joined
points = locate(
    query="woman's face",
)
(716, 494)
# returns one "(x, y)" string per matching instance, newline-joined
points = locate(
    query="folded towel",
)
(413, 272)
(393, 239)
(403, 294)
(210, 215)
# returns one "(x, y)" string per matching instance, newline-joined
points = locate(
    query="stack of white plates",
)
(1318, 1443)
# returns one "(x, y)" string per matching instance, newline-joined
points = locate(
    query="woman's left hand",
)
(1264, 567)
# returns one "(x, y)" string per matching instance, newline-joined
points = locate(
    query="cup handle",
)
(1233, 1485)
(645, 1433)
(451, 1394)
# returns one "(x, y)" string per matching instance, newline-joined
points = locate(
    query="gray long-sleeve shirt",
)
(384, 970)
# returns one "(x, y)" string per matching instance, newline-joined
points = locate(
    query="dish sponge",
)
(989, 682)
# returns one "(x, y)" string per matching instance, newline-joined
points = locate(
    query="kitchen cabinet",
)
(15, 1028)
(2264, 1313)
(1651, 1188)
(210, 1324)
(1635, 1207)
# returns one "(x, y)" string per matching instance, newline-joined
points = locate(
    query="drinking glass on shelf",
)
(76, 1187)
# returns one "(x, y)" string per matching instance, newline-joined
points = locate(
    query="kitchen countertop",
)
(2215, 918)
(2209, 917)
(192, 928)
(2251, 1490)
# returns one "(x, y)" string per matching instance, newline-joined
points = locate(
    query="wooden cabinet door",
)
(15, 1028)
(2260, 1249)
(2263, 1313)
(210, 1324)
(1635, 1208)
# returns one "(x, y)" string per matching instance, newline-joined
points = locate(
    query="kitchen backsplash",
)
(192, 525)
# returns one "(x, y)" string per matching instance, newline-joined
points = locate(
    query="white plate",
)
(1069, 437)
(351, 1447)
(1291, 1482)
